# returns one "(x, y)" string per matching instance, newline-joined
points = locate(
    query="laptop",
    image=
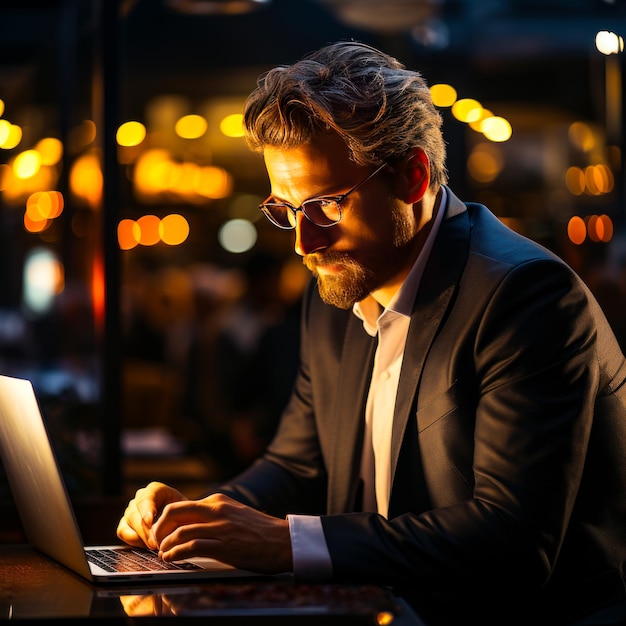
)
(47, 514)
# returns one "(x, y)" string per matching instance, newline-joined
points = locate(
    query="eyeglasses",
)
(324, 211)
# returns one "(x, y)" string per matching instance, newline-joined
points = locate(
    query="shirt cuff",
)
(311, 559)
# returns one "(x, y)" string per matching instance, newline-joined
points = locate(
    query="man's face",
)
(369, 250)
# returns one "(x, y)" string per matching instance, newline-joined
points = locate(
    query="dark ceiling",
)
(506, 49)
(531, 59)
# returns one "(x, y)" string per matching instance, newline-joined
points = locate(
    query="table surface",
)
(33, 587)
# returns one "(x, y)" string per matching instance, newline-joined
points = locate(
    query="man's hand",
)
(136, 526)
(224, 529)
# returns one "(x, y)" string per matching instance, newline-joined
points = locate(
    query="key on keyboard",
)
(133, 560)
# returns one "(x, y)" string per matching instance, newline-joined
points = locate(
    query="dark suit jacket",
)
(509, 432)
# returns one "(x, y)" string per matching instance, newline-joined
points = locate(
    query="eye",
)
(327, 203)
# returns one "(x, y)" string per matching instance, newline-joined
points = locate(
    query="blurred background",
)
(153, 308)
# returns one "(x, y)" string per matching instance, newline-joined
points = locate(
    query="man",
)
(457, 429)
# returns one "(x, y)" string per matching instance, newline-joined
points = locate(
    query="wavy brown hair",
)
(379, 107)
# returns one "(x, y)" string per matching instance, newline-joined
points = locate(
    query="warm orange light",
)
(576, 230)
(581, 135)
(98, 292)
(13, 138)
(5, 176)
(593, 182)
(153, 172)
(467, 110)
(496, 128)
(603, 177)
(86, 179)
(575, 180)
(50, 149)
(27, 164)
(443, 95)
(476, 124)
(485, 162)
(213, 182)
(594, 228)
(384, 618)
(600, 228)
(130, 133)
(607, 225)
(128, 234)
(35, 225)
(5, 128)
(173, 229)
(149, 230)
(44, 205)
(232, 125)
(36, 211)
(190, 126)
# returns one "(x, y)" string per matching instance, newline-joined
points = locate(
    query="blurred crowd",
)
(211, 353)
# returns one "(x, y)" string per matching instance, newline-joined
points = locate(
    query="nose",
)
(309, 237)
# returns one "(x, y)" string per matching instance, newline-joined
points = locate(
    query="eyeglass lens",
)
(323, 212)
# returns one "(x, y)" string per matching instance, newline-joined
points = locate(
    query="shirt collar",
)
(369, 311)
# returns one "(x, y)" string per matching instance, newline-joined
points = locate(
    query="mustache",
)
(316, 259)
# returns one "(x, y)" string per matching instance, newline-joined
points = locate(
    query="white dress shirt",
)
(310, 553)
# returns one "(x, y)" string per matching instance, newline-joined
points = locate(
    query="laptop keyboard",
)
(133, 560)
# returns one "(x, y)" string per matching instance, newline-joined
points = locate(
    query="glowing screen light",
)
(43, 280)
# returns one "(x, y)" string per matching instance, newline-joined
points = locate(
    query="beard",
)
(357, 279)
(342, 290)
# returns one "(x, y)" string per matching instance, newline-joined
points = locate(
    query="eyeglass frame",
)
(337, 199)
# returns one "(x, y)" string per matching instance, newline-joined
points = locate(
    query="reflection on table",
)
(35, 587)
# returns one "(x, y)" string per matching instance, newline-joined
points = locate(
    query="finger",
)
(133, 530)
(128, 535)
(147, 502)
(190, 544)
(179, 514)
(169, 603)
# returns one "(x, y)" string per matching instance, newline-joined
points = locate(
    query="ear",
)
(415, 176)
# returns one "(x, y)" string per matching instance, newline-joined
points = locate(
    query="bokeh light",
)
(190, 126)
(130, 134)
(237, 236)
(173, 229)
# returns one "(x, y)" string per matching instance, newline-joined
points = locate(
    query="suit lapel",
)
(354, 377)
(437, 286)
